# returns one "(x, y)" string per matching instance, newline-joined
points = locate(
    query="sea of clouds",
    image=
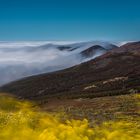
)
(21, 59)
(26, 58)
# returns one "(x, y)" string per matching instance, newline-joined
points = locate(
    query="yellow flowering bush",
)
(19, 121)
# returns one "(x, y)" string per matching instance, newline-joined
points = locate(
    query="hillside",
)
(116, 72)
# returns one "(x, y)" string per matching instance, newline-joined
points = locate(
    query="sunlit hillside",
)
(20, 120)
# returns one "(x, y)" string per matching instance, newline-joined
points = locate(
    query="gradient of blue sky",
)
(69, 20)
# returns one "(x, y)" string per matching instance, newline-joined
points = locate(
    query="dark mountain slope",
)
(116, 72)
(96, 50)
(92, 51)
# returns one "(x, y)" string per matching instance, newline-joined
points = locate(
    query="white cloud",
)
(21, 59)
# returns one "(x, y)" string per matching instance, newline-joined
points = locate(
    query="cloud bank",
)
(22, 59)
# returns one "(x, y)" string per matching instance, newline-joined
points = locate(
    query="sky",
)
(69, 20)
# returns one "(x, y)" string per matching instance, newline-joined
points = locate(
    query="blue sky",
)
(117, 20)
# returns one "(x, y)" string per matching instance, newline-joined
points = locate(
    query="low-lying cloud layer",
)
(21, 59)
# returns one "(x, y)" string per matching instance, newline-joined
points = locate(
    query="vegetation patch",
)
(20, 120)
